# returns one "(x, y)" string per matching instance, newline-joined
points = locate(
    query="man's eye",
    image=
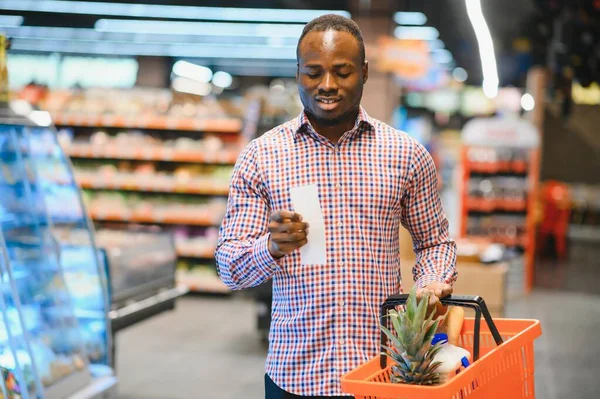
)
(313, 75)
(343, 75)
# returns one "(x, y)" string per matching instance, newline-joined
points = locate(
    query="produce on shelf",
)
(140, 102)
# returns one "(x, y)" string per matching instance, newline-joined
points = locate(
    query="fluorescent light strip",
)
(166, 11)
(436, 44)
(192, 71)
(486, 48)
(10, 21)
(416, 32)
(410, 18)
(43, 32)
(442, 56)
(199, 28)
(155, 49)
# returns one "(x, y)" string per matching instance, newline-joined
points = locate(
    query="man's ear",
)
(297, 72)
(365, 70)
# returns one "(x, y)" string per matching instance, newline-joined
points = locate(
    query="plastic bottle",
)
(453, 358)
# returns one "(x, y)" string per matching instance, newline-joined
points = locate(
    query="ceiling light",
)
(410, 18)
(11, 21)
(527, 102)
(416, 32)
(486, 48)
(222, 79)
(192, 71)
(181, 50)
(166, 11)
(198, 28)
(442, 56)
(436, 44)
(459, 74)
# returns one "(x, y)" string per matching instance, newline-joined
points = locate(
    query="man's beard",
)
(328, 122)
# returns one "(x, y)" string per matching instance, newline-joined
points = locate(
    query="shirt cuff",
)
(427, 279)
(262, 257)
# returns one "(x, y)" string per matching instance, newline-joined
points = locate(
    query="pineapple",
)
(411, 347)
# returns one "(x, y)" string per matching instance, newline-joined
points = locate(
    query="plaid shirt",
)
(325, 317)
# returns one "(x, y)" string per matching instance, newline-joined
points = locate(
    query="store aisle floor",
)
(208, 348)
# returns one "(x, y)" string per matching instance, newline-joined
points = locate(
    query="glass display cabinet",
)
(55, 336)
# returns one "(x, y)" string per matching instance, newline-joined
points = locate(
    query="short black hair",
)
(333, 22)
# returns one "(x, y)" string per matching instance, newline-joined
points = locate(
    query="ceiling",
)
(505, 19)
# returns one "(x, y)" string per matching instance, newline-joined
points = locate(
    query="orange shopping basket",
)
(505, 369)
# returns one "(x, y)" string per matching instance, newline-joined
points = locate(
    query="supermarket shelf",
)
(497, 167)
(481, 205)
(114, 184)
(186, 253)
(201, 283)
(152, 219)
(154, 122)
(155, 154)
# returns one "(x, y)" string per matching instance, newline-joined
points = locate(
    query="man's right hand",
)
(288, 233)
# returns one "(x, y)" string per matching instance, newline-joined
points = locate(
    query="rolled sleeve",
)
(242, 254)
(424, 218)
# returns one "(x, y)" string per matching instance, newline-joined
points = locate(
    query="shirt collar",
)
(301, 123)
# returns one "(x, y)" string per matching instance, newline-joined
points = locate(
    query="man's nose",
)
(328, 83)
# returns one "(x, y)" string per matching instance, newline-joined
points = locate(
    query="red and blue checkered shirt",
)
(325, 317)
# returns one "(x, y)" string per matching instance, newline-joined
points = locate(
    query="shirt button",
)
(338, 186)
(342, 304)
(341, 264)
(341, 342)
(340, 224)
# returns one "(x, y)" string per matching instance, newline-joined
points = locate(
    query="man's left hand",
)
(436, 291)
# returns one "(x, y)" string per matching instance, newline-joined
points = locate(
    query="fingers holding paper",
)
(288, 233)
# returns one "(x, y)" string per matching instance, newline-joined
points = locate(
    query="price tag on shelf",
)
(107, 120)
(199, 124)
(96, 150)
(210, 156)
(171, 123)
(147, 152)
(129, 120)
(141, 122)
(79, 120)
(167, 154)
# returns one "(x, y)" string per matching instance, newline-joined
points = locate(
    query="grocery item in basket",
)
(452, 324)
(452, 358)
(411, 343)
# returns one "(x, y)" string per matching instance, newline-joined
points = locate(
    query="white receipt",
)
(305, 200)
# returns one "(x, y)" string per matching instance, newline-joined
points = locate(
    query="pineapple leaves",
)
(409, 338)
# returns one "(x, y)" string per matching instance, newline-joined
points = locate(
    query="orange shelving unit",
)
(160, 169)
(499, 186)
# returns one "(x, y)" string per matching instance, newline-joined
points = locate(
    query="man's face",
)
(331, 75)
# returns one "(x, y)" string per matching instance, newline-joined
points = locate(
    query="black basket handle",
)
(466, 301)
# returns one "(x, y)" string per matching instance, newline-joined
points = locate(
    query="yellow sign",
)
(586, 96)
(409, 59)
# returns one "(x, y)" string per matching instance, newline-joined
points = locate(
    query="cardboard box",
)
(487, 281)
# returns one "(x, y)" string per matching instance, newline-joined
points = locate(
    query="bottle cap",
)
(440, 337)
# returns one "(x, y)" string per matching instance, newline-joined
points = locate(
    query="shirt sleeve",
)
(424, 218)
(242, 255)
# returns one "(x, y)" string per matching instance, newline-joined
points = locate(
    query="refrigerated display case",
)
(141, 266)
(54, 328)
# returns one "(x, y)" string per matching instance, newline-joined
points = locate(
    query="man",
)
(370, 178)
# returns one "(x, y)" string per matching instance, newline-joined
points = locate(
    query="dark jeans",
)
(272, 391)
